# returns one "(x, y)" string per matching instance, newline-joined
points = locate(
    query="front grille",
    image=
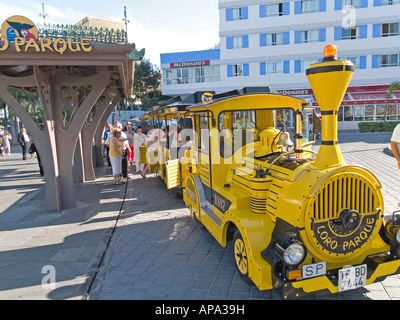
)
(344, 191)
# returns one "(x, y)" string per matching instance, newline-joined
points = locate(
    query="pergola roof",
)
(104, 56)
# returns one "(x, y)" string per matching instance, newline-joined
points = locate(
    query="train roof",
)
(264, 98)
(196, 101)
(177, 104)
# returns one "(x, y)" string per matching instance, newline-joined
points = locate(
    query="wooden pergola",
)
(78, 90)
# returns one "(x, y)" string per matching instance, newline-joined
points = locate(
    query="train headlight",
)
(294, 254)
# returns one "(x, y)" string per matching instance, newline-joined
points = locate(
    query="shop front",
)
(361, 103)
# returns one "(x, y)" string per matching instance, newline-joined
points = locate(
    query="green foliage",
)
(392, 89)
(29, 101)
(387, 126)
(147, 81)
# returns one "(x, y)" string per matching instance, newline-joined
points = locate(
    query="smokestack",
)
(329, 81)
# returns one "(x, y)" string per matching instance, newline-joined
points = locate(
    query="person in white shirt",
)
(130, 134)
(6, 142)
(138, 140)
(152, 145)
(24, 140)
(125, 144)
(395, 145)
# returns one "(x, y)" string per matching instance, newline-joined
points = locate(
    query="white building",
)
(271, 43)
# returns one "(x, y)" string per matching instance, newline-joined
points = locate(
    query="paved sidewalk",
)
(160, 253)
(38, 246)
(136, 241)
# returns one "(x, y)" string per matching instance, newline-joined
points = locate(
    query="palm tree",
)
(389, 94)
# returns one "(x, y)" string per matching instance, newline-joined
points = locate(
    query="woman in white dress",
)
(6, 142)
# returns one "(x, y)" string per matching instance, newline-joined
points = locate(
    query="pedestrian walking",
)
(131, 136)
(125, 149)
(116, 155)
(6, 142)
(1, 145)
(152, 144)
(108, 129)
(139, 139)
(395, 145)
(24, 140)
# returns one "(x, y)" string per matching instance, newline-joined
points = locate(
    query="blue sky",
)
(160, 26)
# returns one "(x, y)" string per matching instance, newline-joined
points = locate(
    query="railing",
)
(103, 35)
(198, 79)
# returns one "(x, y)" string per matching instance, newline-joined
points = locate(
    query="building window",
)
(339, 4)
(340, 113)
(308, 6)
(238, 70)
(275, 9)
(354, 60)
(388, 60)
(356, 32)
(348, 113)
(306, 63)
(236, 14)
(370, 112)
(380, 112)
(274, 39)
(359, 113)
(191, 75)
(389, 2)
(237, 42)
(353, 3)
(350, 33)
(391, 112)
(212, 73)
(274, 67)
(308, 36)
(390, 29)
(231, 125)
(182, 75)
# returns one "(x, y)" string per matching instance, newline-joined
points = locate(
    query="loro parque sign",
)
(24, 33)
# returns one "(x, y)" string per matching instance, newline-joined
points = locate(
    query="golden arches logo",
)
(18, 26)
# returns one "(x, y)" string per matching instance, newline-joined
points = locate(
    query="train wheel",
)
(240, 252)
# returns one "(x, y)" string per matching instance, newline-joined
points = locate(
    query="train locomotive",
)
(301, 221)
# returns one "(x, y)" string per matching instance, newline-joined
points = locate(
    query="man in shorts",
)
(395, 146)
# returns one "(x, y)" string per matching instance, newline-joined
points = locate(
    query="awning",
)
(363, 95)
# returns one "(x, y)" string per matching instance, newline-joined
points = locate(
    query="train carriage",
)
(172, 160)
(302, 222)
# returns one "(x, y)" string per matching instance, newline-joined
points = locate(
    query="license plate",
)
(314, 270)
(352, 277)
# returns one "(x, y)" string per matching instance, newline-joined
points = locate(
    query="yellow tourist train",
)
(301, 221)
(173, 159)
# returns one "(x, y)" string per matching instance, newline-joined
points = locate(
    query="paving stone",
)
(156, 250)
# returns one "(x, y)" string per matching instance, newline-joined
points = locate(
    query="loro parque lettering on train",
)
(328, 235)
(25, 36)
